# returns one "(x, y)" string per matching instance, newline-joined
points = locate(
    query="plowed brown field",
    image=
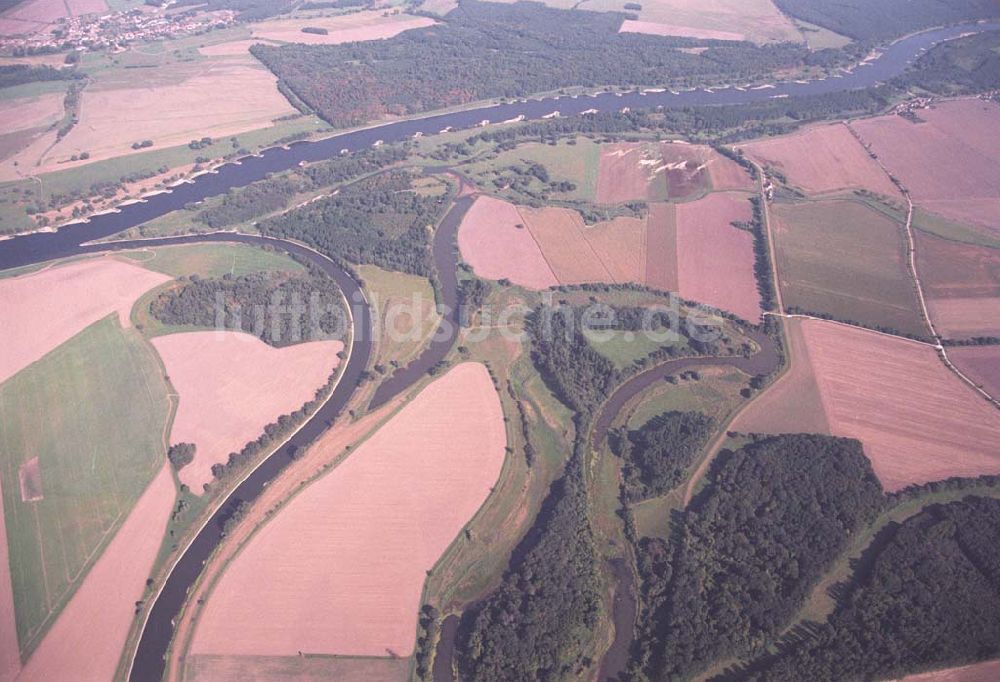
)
(981, 364)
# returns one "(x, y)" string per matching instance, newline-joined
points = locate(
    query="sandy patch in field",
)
(650, 171)
(661, 247)
(33, 112)
(918, 422)
(822, 159)
(978, 672)
(490, 241)
(30, 480)
(948, 161)
(715, 259)
(981, 364)
(627, 172)
(346, 28)
(793, 403)
(10, 650)
(229, 98)
(757, 20)
(960, 318)
(559, 233)
(231, 385)
(41, 310)
(87, 638)
(340, 569)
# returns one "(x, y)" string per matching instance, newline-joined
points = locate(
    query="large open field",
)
(690, 248)
(844, 259)
(715, 260)
(654, 171)
(918, 422)
(979, 672)
(25, 119)
(43, 309)
(341, 568)
(406, 313)
(821, 159)
(756, 20)
(33, 16)
(962, 285)
(212, 260)
(345, 28)
(981, 364)
(87, 639)
(495, 242)
(950, 162)
(231, 385)
(93, 411)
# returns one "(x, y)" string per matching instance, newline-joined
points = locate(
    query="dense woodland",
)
(378, 220)
(773, 518)
(658, 453)
(281, 310)
(927, 597)
(486, 50)
(535, 626)
(883, 19)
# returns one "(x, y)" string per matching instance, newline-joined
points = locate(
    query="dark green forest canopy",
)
(19, 74)
(485, 50)
(260, 304)
(881, 19)
(658, 453)
(930, 599)
(379, 220)
(770, 523)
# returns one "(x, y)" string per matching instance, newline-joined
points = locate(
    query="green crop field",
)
(94, 412)
(213, 260)
(844, 259)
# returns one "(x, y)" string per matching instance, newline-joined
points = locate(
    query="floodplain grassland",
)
(212, 260)
(404, 311)
(94, 412)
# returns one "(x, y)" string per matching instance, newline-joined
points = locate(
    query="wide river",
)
(72, 240)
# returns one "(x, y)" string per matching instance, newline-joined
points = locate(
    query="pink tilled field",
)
(41, 310)
(689, 248)
(917, 420)
(981, 364)
(950, 162)
(231, 385)
(340, 570)
(822, 159)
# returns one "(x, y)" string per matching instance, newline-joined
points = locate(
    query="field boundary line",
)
(911, 248)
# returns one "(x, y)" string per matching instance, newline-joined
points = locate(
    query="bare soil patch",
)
(43, 309)
(661, 247)
(30, 112)
(951, 269)
(86, 641)
(231, 385)
(494, 240)
(756, 20)
(346, 28)
(821, 159)
(962, 318)
(29, 477)
(981, 364)
(559, 233)
(793, 403)
(918, 422)
(978, 672)
(621, 246)
(339, 570)
(627, 172)
(715, 259)
(950, 162)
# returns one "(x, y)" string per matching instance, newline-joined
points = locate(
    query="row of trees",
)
(19, 74)
(747, 551)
